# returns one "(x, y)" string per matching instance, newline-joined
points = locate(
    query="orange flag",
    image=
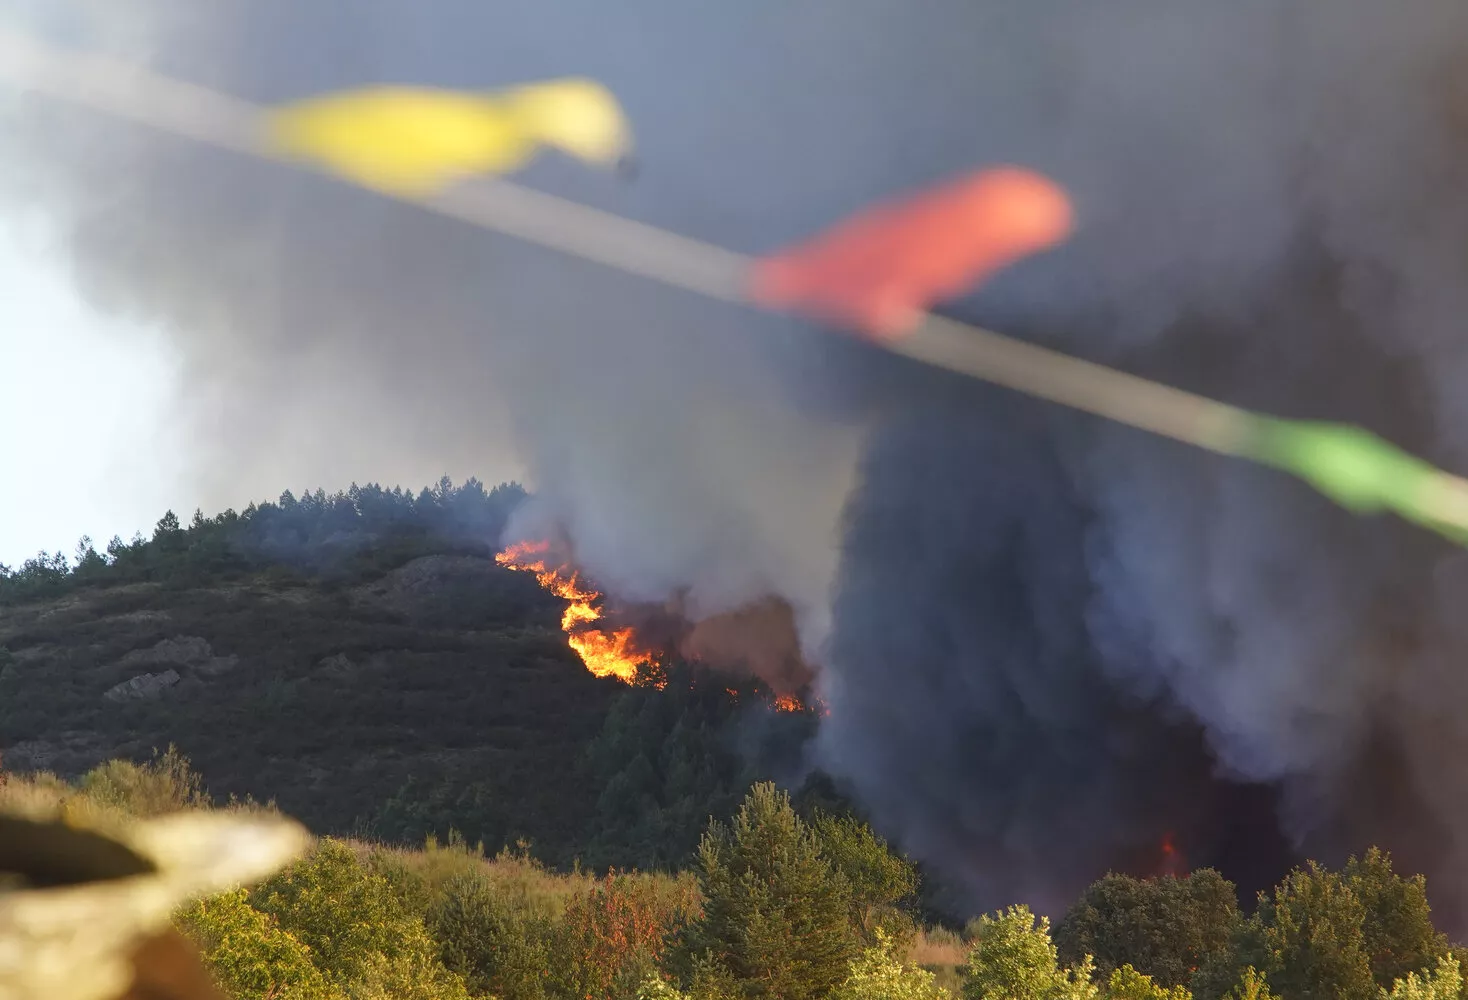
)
(881, 270)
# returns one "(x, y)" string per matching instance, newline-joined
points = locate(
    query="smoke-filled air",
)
(1046, 646)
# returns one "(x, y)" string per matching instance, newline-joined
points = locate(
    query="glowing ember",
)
(790, 703)
(606, 653)
(1172, 859)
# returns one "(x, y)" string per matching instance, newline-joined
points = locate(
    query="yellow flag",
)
(414, 141)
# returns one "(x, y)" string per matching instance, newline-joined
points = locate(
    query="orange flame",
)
(883, 268)
(605, 653)
(790, 703)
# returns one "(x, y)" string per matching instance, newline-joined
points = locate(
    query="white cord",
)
(183, 109)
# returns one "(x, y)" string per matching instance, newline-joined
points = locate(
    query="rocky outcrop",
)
(339, 666)
(186, 658)
(144, 687)
(189, 653)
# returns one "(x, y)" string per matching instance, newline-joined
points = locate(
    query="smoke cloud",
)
(1045, 643)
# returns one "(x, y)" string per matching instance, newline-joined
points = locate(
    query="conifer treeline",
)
(315, 533)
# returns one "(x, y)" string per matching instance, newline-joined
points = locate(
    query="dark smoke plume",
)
(1046, 643)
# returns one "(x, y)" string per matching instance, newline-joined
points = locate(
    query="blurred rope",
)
(1352, 466)
(140, 95)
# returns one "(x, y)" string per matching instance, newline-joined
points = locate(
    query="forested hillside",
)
(362, 660)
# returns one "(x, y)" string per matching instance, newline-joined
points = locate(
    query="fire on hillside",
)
(609, 649)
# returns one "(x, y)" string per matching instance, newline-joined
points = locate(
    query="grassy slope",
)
(455, 670)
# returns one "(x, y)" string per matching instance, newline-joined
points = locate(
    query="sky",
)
(88, 446)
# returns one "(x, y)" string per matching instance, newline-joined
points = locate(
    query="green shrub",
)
(1126, 983)
(879, 973)
(360, 933)
(163, 785)
(249, 954)
(494, 936)
(1445, 982)
(1014, 959)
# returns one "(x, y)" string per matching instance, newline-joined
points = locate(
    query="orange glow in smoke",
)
(1172, 861)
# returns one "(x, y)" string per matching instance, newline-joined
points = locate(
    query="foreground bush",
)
(360, 934)
(249, 954)
(498, 941)
(1015, 959)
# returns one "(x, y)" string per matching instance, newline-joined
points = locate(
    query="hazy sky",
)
(87, 445)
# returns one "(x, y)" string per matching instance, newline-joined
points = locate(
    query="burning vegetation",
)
(606, 652)
(621, 651)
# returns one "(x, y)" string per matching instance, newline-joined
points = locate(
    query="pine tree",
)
(776, 915)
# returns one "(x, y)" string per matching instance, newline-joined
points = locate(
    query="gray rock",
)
(144, 687)
(186, 652)
(339, 665)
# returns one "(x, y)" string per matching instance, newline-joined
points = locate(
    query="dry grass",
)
(936, 946)
(942, 952)
(423, 873)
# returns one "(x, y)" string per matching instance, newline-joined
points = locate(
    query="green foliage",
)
(1251, 986)
(249, 954)
(1445, 982)
(1126, 983)
(1397, 929)
(655, 987)
(162, 785)
(317, 533)
(418, 878)
(1014, 959)
(709, 981)
(1165, 927)
(1307, 938)
(359, 932)
(879, 973)
(666, 761)
(776, 914)
(496, 938)
(772, 916)
(883, 884)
